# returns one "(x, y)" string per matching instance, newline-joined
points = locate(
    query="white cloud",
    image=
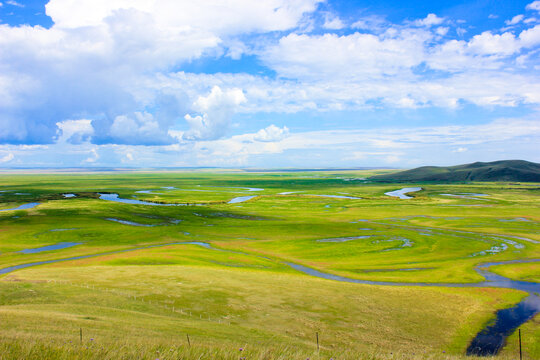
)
(7, 158)
(493, 16)
(374, 23)
(94, 60)
(429, 20)
(14, 3)
(488, 43)
(111, 60)
(355, 56)
(515, 20)
(535, 5)
(503, 138)
(530, 37)
(94, 156)
(271, 133)
(216, 110)
(137, 128)
(442, 30)
(333, 22)
(74, 131)
(234, 16)
(388, 145)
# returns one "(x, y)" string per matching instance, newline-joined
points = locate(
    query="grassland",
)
(136, 303)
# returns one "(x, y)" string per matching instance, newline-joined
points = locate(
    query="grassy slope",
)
(506, 170)
(281, 227)
(238, 307)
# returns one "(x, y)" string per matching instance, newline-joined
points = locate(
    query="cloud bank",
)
(110, 78)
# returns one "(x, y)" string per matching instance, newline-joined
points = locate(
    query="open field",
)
(222, 277)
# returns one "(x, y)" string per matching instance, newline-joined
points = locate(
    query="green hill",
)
(504, 170)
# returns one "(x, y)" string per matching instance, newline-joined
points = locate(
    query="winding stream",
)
(486, 343)
(23, 207)
(401, 192)
(116, 198)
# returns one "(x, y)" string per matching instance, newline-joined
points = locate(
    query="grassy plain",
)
(133, 304)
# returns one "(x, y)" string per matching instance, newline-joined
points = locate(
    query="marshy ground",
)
(223, 278)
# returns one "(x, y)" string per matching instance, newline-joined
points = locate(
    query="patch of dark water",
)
(505, 322)
(492, 338)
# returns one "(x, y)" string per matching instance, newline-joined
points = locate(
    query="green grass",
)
(525, 272)
(245, 296)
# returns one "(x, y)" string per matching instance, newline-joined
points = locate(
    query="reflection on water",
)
(58, 246)
(344, 239)
(23, 207)
(491, 339)
(337, 196)
(401, 192)
(115, 198)
(240, 199)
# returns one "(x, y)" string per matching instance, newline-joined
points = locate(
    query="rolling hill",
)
(504, 170)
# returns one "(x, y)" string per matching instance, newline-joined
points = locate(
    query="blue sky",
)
(271, 83)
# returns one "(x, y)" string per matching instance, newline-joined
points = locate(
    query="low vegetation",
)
(151, 276)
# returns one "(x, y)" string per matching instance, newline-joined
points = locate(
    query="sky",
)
(268, 83)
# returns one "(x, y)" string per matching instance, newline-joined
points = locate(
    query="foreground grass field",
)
(230, 288)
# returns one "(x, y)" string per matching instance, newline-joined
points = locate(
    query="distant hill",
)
(504, 170)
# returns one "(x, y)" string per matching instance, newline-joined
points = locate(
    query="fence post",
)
(317, 335)
(80, 334)
(519, 332)
(189, 343)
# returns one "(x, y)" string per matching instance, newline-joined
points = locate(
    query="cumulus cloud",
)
(137, 128)
(388, 145)
(373, 23)
(442, 30)
(216, 109)
(503, 138)
(530, 37)
(7, 158)
(271, 133)
(94, 61)
(109, 72)
(74, 131)
(330, 56)
(429, 20)
(333, 22)
(235, 16)
(515, 20)
(535, 5)
(488, 43)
